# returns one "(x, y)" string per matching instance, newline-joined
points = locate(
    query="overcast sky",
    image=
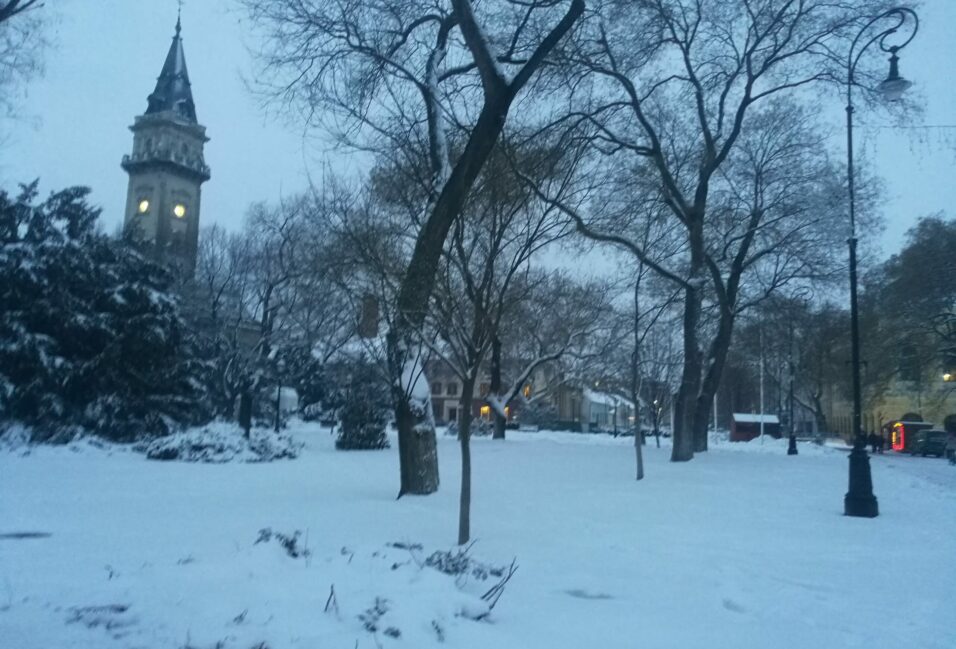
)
(108, 54)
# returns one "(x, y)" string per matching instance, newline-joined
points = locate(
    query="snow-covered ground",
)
(743, 547)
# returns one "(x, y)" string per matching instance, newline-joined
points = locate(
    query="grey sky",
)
(109, 52)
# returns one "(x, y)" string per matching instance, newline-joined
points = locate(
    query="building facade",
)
(167, 167)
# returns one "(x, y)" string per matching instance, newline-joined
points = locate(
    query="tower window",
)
(179, 211)
(143, 207)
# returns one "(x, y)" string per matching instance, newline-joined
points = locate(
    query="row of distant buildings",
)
(568, 405)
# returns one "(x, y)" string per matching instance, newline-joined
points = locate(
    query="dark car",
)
(930, 442)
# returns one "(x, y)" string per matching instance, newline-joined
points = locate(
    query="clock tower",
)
(166, 168)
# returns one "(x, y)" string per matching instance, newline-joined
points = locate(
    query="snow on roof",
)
(607, 399)
(745, 418)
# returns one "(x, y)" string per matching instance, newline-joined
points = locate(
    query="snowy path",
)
(740, 548)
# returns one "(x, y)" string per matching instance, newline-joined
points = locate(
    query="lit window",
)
(179, 211)
(143, 206)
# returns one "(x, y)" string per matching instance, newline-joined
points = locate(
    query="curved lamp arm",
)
(901, 14)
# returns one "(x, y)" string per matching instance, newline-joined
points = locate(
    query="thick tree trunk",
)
(418, 460)
(717, 360)
(417, 453)
(683, 435)
(464, 437)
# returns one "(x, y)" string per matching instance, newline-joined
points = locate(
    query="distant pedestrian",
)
(880, 443)
(871, 438)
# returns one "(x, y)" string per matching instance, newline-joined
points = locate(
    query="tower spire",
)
(173, 90)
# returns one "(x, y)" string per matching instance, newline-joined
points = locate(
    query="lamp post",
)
(792, 441)
(859, 499)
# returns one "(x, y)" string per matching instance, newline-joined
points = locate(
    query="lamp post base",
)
(859, 500)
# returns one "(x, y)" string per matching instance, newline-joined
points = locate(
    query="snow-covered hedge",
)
(364, 412)
(224, 442)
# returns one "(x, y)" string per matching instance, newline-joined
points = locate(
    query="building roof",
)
(745, 418)
(173, 91)
(607, 399)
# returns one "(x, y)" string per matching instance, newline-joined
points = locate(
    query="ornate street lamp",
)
(859, 499)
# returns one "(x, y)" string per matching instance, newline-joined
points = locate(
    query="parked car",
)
(930, 442)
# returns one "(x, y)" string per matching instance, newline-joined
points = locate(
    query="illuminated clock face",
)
(143, 206)
(179, 211)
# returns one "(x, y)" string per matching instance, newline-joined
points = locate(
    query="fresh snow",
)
(413, 382)
(744, 547)
(745, 418)
(607, 399)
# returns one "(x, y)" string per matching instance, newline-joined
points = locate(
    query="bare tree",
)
(11, 8)
(405, 72)
(670, 84)
(776, 225)
(482, 280)
(22, 43)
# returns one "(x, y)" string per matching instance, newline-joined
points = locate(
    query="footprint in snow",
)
(731, 605)
(25, 535)
(113, 618)
(580, 593)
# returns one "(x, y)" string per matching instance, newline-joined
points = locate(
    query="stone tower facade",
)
(167, 168)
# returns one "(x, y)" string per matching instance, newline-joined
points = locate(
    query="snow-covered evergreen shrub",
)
(537, 412)
(90, 336)
(309, 378)
(223, 442)
(481, 427)
(364, 413)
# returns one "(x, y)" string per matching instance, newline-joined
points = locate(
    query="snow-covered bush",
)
(224, 442)
(289, 542)
(537, 412)
(364, 413)
(481, 427)
(90, 335)
(310, 379)
(459, 563)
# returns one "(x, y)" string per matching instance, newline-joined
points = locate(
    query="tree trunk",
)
(684, 405)
(417, 452)
(636, 378)
(819, 414)
(495, 387)
(717, 361)
(418, 459)
(464, 437)
(683, 433)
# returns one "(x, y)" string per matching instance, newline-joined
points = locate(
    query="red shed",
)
(745, 427)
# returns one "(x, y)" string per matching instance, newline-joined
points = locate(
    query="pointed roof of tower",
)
(173, 91)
